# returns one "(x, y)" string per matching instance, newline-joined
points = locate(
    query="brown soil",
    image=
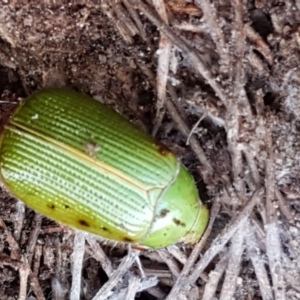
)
(222, 76)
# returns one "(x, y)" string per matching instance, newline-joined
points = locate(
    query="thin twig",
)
(123, 29)
(284, 206)
(194, 129)
(59, 282)
(5, 260)
(37, 259)
(164, 54)
(126, 263)
(214, 278)
(169, 261)
(15, 262)
(24, 273)
(122, 16)
(238, 102)
(160, 7)
(99, 255)
(134, 15)
(20, 216)
(36, 225)
(179, 255)
(232, 271)
(258, 262)
(78, 253)
(185, 131)
(273, 245)
(35, 285)
(133, 287)
(13, 245)
(253, 167)
(146, 284)
(162, 78)
(239, 44)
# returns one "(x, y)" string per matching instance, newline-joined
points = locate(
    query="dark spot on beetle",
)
(51, 206)
(162, 149)
(127, 239)
(165, 234)
(105, 229)
(67, 206)
(179, 223)
(163, 213)
(84, 223)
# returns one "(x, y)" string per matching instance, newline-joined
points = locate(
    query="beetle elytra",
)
(78, 162)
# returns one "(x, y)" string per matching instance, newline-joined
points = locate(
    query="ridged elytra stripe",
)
(83, 157)
(121, 144)
(34, 155)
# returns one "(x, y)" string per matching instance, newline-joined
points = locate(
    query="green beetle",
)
(78, 162)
